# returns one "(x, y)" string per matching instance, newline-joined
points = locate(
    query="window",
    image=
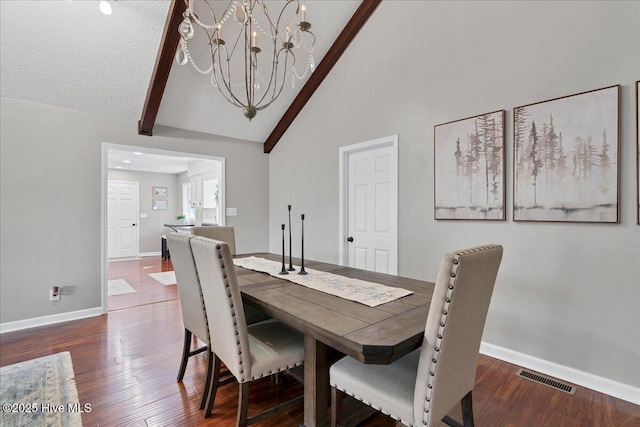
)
(187, 210)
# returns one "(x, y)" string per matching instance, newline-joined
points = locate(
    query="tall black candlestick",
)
(290, 248)
(302, 270)
(284, 270)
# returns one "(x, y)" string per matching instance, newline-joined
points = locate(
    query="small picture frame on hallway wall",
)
(160, 192)
(159, 204)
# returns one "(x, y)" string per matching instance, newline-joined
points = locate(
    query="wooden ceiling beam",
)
(355, 24)
(162, 68)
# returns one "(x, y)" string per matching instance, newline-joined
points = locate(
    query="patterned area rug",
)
(166, 277)
(119, 287)
(40, 392)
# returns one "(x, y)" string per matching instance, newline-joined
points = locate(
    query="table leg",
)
(316, 382)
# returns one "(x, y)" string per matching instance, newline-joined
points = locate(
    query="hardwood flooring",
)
(126, 364)
(136, 273)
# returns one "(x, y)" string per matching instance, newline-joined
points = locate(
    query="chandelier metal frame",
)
(282, 40)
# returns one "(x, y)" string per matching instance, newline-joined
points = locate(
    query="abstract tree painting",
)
(469, 168)
(566, 159)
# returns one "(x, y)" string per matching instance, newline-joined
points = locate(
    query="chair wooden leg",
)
(336, 407)
(467, 411)
(243, 404)
(207, 380)
(213, 385)
(186, 350)
(467, 414)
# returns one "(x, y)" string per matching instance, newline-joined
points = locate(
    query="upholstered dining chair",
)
(193, 311)
(421, 387)
(223, 233)
(226, 233)
(250, 352)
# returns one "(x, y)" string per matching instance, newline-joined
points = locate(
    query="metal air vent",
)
(548, 381)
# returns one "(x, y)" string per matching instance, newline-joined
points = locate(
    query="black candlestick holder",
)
(284, 270)
(290, 248)
(302, 270)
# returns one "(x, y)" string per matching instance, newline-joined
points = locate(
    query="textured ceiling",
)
(68, 54)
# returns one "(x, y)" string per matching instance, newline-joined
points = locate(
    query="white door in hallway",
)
(372, 187)
(122, 219)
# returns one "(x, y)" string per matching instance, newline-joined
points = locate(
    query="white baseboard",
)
(49, 320)
(144, 254)
(574, 376)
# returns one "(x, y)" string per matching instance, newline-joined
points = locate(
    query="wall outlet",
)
(54, 293)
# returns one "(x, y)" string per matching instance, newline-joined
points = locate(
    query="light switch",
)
(232, 211)
(144, 215)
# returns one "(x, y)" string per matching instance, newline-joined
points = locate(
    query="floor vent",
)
(548, 381)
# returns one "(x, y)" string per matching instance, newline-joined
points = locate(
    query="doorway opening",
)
(171, 189)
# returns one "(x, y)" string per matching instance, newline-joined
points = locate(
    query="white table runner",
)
(367, 293)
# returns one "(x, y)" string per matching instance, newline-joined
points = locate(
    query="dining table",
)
(333, 325)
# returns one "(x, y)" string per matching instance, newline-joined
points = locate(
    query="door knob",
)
(349, 239)
(133, 225)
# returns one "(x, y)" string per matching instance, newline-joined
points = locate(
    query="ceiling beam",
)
(162, 68)
(357, 21)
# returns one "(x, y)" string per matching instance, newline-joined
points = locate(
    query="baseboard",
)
(574, 376)
(144, 254)
(49, 320)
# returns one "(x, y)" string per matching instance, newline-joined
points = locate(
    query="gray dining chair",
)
(226, 233)
(194, 316)
(421, 387)
(223, 233)
(250, 352)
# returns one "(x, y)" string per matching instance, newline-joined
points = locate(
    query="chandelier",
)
(252, 51)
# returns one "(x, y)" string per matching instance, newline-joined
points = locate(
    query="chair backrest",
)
(222, 233)
(223, 301)
(193, 310)
(458, 310)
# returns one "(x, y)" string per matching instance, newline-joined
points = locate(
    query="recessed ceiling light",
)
(137, 153)
(118, 167)
(105, 7)
(126, 161)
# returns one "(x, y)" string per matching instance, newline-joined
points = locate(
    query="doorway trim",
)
(106, 146)
(343, 190)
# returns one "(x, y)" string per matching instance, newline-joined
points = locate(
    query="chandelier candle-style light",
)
(252, 54)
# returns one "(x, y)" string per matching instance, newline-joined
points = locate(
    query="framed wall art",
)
(565, 158)
(160, 192)
(159, 204)
(469, 168)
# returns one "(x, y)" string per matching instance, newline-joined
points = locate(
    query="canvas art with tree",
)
(469, 168)
(566, 158)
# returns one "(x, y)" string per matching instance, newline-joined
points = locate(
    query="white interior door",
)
(371, 219)
(122, 219)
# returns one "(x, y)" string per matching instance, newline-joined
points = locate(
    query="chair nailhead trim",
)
(233, 312)
(438, 344)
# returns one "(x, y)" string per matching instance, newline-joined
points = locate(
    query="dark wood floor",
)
(126, 364)
(136, 273)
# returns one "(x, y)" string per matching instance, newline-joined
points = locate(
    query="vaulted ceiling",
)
(69, 54)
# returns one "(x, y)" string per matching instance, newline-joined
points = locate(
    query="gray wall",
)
(50, 207)
(566, 293)
(151, 228)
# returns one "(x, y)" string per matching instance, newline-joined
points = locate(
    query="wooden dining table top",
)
(377, 335)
